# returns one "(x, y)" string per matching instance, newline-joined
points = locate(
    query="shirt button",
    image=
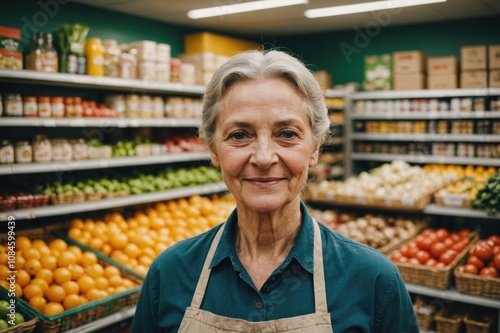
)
(258, 304)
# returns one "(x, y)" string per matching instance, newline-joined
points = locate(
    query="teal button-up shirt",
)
(365, 292)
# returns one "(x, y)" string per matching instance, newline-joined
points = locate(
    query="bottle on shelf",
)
(95, 57)
(34, 57)
(49, 57)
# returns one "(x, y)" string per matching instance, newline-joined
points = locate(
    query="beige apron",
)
(197, 320)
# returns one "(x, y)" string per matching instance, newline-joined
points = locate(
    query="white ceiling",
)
(291, 20)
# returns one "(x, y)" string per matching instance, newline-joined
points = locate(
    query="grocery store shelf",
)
(32, 213)
(422, 159)
(12, 169)
(426, 137)
(434, 209)
(95, 82)
(104, 322)
(425, 115)
(99, 122)
(425, 93)
(453, 295)
(332, 93)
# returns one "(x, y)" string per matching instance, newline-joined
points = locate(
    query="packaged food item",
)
(95, 57)
(128, 63)
(57, 107)
(13, 105)
(42, 149)
(112, 55)
(11, 54)
(187, 74)
(117, 103)
(61, 150)
(80, 149)
(48, 57)
(77, 107)
(6, 152)
(30, 106)
(146, 107)
(146, 70)
(69, 107)
(44, 107)
(158, 107)
(34, 57)
(132, 106)
(175, 69)
(23, 152)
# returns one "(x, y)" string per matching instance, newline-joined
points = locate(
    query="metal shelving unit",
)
(425, 137)
(104, 322)
(11, 169)
(433, 209)
(99, 122)
(425, 115)
(424, 159)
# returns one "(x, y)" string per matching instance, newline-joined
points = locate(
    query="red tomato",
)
(473, 260)
(495, 239)
(414, 261)
(448, 242)
(464, 233)
(431, 262)
(470, 269)
(424, 243)
(442, 234)
(496, 249)
(455, 237)
(483, 251)
(422, 256)
(440, 265)
(488, 271)
(395, 256)
(460, 245)
(403, 259)
(448, 256)
(496, 261)
(412, 251)
(437, 249)
(404, 250)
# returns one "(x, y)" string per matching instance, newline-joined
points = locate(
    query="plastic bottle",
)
(95, 57)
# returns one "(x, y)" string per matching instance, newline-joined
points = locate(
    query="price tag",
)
(453, 200)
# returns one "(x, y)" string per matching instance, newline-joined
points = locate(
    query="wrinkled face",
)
(264, 144)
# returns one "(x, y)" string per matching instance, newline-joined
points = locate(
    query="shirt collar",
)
(302, 250)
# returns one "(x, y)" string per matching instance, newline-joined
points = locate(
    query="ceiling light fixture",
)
(365, 7)
(242, 7)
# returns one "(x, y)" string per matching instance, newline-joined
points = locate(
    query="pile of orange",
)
(135, 241)
(54, 276)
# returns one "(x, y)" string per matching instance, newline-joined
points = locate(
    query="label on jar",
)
(44, 110)
(30, 109)
(72, 64)
(24, 154)
(58, 110)
(7, 154)
(14, 108)
(49, 62)
(42, 152)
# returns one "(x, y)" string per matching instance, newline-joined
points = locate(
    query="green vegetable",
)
(488, 198)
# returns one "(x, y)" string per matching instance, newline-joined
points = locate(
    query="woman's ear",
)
(214, 157)
(315, 154)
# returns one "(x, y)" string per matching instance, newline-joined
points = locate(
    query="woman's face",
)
(264, 144)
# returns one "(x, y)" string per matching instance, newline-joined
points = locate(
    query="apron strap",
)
(205, 272)
(318, 273)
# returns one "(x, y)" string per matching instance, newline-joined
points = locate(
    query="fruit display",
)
(390, 185)
(488, 197)
(378, 231)
(484, 258)
(135, 240)
(9, 317)
(53, 276)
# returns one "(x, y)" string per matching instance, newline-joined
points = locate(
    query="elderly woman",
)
(270, 267)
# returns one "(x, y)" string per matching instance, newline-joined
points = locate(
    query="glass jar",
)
(77, 107)
(61, 150)
(30, 106)
(69, 107)
(112, 55)
(80, 149)
(95, 57)
(158, 107)
(13, 105)
(42, 149)
(132, 106)
(146, 107)
(44, 107)
(117, 103)
(128, 64)
(57, 106)
(6, 152)
(23, 153)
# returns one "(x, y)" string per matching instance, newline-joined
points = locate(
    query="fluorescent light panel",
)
(365, 7)
(242, 7)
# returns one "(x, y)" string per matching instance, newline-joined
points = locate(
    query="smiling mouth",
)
(264, 181)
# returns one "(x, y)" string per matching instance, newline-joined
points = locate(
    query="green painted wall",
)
(340, 53)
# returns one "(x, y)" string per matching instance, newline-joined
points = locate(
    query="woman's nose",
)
(265, 153)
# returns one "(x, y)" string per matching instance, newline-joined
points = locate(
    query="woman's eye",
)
(288, 134)
(238, 136)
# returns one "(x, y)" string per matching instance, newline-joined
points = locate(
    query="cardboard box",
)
(378, 72)
(409, 81)
(324, 79)
(163, 53)
(495, 79)
(146, 50)
(409, 62)
(442, 65)
(442, 81)
(494, 56)
(205, 65)
(218, 44)
(473, 58)
(474, 79)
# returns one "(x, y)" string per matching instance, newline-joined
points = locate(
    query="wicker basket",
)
(85, 313)
(62, 199)
(477, 285)
(451, 319)
(432, 276)
(30, 321)
(425, 313)
(453, 200)
(481, 320)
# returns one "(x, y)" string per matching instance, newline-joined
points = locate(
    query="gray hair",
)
(257, 65)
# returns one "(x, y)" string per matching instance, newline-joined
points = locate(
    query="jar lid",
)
(30, 99)
(57, 99)
(44, 99)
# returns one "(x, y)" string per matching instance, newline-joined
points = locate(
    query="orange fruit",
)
(115, 281)
(145, 261)
(45, 274)
(95, 270)
(110, 271)
(22, 242)
(32, 266)
(38, 243)
(49, 261)
(38, 303)
(85, 283)
(128, 284)
(118, 240)
(88, 258)
(56, 293)
(101, 283)
(4, 258)
(74, 233)
(88, 224)
(23, 278)
(77, 271)
(32, 290)
(43, 249)
(66, 258)
(72, 301)
(31, 253)
(5, 284)
(53, 308)
(96, 243)
(119, 289)
(62, 274)
(58, 244)
(94, 294)
(132, 250)
(41, 283)
(149, 252)
(106, 249)
(76, 223)
(119, 257)
(71, 287)
(76, 251)
(141, 270)
(20, 261)
(4, 272)
(18, 290)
